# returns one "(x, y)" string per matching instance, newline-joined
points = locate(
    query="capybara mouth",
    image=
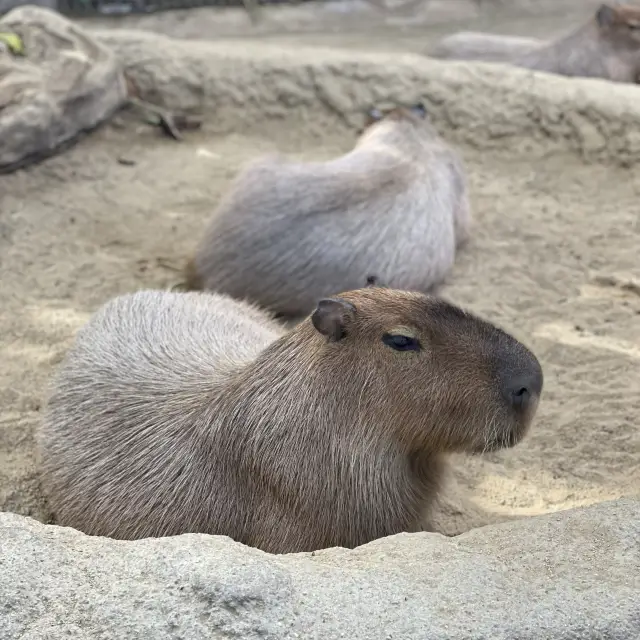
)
(506, 440)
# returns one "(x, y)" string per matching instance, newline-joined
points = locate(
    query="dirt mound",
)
(557, 576)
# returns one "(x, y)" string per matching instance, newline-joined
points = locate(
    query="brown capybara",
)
(289, 233)
(607, 46)
(195, 412)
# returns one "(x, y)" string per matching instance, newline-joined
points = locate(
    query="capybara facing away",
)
(289, 233)
(489, 47)
(607, 46)
(194, 412)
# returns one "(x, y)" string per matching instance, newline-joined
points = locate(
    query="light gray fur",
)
(135, 404)
(289, 233)
(473, 45)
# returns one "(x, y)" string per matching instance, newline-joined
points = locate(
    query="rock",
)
(67, 83)
(573, 575)
(7, 5)
(243, 86)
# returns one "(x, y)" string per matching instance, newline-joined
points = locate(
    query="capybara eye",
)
(419, 109)
(400, 342)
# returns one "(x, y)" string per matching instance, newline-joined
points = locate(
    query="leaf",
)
(14, 42)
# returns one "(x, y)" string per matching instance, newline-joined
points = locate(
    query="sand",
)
(554, 260)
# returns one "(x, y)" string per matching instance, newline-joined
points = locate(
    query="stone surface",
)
(574, 575)
(66, 84)
(7, 5)
(243, 86)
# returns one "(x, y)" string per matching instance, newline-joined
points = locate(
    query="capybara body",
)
(473, 45)
(194, 412)
(607, 46)
(289, 233)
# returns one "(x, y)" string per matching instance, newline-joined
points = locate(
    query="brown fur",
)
(192, 279)
(607, 46)
(288, 233)
(186, 412)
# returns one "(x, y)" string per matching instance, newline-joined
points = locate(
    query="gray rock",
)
(66, 84)
(574, 575)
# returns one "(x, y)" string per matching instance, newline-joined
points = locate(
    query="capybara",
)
(489, 47)
(289, 233)
(607, 46)
(195, 412)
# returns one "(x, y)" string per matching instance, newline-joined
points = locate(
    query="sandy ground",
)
(555, 242)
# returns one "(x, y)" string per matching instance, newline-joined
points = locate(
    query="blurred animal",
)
(473, 45)
(607, 46)
(289, 233)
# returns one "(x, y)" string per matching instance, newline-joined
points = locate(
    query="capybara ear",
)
(332, 317)
(605, 15)
(374, 114)
(374, 281)
(632, 21)
(419, 109)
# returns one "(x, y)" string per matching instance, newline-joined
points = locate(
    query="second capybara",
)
(288, 233)
(607, 46)
(195, 412)
(488, 47)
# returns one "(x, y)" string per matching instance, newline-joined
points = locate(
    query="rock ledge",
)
(574, 575)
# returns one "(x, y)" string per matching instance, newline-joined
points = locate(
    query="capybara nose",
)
(521, 389)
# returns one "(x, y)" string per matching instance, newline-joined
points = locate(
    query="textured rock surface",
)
(243, 86)
(67, 83)
(574, 575)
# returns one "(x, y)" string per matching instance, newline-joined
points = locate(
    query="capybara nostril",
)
(522, 389)
(520, 398)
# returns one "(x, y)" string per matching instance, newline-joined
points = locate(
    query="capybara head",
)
(413, 113)
(440, 378)
(405, 127)
(620, 24)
